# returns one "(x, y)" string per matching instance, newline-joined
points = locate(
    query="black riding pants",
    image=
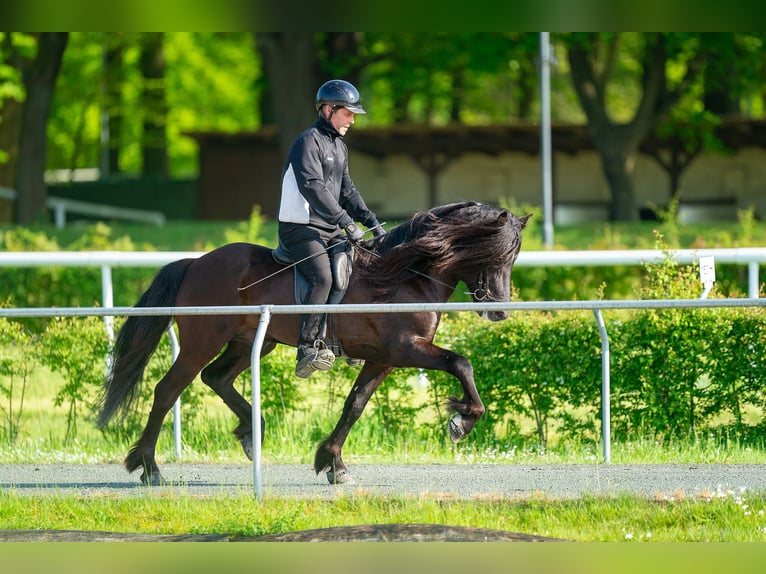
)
(309, 247)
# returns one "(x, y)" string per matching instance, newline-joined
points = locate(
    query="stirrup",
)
(317, 358)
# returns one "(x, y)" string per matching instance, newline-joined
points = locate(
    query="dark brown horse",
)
(419, 261)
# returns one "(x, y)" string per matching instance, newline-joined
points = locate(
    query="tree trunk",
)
(292, 71)
(10, 128)
(155, 145)
(112, 111)
(39, 82)
(617, 165)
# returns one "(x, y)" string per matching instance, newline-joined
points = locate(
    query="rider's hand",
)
(353, 233)
(374, 226)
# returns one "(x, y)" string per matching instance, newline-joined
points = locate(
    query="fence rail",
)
(266, 311)
(752, 257)
(61, 205)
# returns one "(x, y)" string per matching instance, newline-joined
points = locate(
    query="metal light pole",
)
(545, 137)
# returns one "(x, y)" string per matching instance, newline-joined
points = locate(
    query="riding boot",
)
(313, 354)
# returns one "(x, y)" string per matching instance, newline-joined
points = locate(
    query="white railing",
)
(61, 205)
(106, 260)
(752, 257)
(266, 311)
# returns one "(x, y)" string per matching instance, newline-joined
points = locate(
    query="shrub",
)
(77, 349)
(17, 351)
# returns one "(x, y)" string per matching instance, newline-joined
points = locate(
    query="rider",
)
(318, 200)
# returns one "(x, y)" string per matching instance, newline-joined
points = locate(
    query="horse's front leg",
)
(470, 407)
(328, 457)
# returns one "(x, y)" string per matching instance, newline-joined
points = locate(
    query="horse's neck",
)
(437, 289)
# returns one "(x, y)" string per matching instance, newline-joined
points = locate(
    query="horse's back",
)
(215, 277)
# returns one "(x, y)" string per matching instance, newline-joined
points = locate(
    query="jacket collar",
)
(325, 126)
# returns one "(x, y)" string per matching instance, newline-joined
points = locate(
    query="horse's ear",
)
(523, 220)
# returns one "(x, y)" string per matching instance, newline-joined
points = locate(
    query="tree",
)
(11, 97)
(154, 104)
(732, 72)
(593, 63)
(111, 106)
(39, 77)
(291, 68)
(209, 84)
(440, 78)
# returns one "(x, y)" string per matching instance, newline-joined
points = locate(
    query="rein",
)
(294, 263)
(278, 271)
(480, 294)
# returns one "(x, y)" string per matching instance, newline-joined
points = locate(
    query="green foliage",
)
(210, 84)
(17, 359)
(676, 373)
(12, 46)
(68, 286)
(250, 231)
(77, 349)
(539, 367)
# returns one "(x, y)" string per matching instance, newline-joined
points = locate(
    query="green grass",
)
(718, 517)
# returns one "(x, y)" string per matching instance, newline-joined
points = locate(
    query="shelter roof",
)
(457, 139)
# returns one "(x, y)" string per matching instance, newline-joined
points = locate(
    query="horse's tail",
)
(137, 340)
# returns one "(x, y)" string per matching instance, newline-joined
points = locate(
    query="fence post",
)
(752, 280)
(174, 350)
(107, 299)
(255, 368)
(606, 430)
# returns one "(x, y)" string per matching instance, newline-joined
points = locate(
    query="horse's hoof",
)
(456, 428)
(247, 444)
(340, 477)
(153, 479)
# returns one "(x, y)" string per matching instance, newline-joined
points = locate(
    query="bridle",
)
(481, 293)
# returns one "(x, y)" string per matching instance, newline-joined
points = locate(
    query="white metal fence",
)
(266, 311)
(61, 206)
(752, 257)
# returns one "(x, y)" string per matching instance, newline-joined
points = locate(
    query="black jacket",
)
(316, 187)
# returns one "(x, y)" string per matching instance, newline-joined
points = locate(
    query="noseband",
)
(481, 293)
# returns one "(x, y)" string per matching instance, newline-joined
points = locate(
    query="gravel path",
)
(440, 480)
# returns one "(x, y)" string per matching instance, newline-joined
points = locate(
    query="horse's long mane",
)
(462, 236)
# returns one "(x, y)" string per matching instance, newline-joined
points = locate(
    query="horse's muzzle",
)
(493, 315)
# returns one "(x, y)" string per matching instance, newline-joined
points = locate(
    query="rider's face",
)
(341, 120)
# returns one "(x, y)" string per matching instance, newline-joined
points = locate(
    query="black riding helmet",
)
(339, 93)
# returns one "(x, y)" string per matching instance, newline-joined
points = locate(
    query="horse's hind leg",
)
(328, 455)
(167, 391)
(220, 375)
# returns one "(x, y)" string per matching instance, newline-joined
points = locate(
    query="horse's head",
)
(492, 281)
(466, 241)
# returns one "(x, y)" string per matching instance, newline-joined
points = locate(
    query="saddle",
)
(341, 262)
